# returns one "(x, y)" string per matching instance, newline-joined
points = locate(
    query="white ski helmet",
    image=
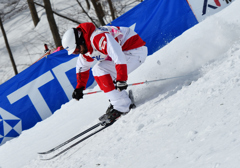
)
(69, 40)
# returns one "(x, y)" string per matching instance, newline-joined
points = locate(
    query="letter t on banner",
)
(31, 89)
(60, 73)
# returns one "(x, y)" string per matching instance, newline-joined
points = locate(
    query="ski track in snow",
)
(191, 121)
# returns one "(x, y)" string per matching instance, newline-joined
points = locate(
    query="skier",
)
(118, 50)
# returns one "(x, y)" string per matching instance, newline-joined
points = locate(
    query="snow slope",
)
(191, 121)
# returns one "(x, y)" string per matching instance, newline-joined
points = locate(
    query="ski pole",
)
(140, 83)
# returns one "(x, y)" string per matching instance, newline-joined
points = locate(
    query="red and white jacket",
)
(105, 43)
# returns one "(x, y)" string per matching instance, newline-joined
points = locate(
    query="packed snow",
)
(190, 119)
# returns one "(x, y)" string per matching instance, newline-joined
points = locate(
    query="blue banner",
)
(158, 21)
(36, 93)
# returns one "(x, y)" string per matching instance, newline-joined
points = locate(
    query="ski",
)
(71, 139)
(79, 141)
(104, 125)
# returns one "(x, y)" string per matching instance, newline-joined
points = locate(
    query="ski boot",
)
(111, 115)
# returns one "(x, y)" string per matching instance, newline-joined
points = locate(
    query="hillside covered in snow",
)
(189, 119)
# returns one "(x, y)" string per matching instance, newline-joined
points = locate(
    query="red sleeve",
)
(100, 43)
(82, 78)
(133, 42)
(121, 72)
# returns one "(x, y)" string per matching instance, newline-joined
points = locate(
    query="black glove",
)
(121, 85)
(78, 93)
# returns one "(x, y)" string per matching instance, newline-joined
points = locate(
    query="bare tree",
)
(111, 9)
(52, 23)
(7, 9)
(33, 11)
(60, 15)
(105, 15)
(8, 47)
(88, 4)
(84, 11)
(99, 11)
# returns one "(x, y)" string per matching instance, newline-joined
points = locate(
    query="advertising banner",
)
(205, 8)
(36, 93)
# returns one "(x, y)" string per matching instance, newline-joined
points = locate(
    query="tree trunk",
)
(8, 47)
(111, 9)
(52, 23)
(33, 11)
(88, 4)
(99, 11)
